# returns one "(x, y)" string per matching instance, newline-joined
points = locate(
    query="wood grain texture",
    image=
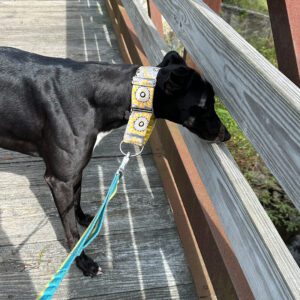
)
(119, 264)
(265, 104)
(139, 248)
(222, 264)
(155, 48)
(155, 16)
(265, 260)
(76, 29)
(194, 256)
(268, 265)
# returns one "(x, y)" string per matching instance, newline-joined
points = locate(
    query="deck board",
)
(138, 249)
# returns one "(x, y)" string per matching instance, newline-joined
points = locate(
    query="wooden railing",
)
(233, 249)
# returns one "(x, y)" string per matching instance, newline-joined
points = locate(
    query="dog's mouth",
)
(223, 135)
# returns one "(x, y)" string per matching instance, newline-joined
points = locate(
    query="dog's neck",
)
(113, 96)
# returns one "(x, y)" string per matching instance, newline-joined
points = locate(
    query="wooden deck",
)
(139, 249)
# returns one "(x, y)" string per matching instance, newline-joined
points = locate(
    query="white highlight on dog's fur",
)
(100, 136)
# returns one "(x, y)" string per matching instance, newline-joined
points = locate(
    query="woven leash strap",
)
(88, 236)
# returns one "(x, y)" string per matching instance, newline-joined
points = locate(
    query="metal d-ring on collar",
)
(126, 153)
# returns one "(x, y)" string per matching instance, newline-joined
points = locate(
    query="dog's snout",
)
(223, 135)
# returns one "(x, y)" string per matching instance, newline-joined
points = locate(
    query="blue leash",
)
(88, 236)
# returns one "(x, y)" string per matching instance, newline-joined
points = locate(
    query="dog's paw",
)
(85, 220)
(88, 266)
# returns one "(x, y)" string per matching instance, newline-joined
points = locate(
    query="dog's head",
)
(182, 96)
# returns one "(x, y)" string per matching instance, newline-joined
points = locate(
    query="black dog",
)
(54, 108)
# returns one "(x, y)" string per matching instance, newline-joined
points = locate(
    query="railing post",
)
(285, 21)
(216, 6)
(131, 49)
(155, 15)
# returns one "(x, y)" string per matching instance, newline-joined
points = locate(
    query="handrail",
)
(264, 103)
(266, 262)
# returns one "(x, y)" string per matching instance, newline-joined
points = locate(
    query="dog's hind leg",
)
(82, 218)
(63, 196)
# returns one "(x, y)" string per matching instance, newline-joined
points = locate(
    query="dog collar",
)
(141, 120)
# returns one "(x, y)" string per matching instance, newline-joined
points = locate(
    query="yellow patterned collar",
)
(141, 119)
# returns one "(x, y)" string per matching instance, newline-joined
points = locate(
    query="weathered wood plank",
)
(76, 42)
(146, 31)
(80, 30)
(141, 171)
(256, 242)
(42, 258)
(40, 226)
(224, 269)
(265, 104)
(194, 255)
(122, 259)
(28, 189)
(269, 267)
(74, 34)
(182, 292)
(155, 16)
(24, 204)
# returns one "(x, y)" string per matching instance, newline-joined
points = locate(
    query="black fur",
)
(54, 108)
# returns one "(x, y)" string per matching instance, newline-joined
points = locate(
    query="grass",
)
(257, 5)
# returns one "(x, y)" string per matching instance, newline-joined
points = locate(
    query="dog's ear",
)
(172, 58)
(174, 79)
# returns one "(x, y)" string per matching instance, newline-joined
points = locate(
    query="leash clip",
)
(124, 164)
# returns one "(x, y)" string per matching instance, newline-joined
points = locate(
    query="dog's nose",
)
(223, 135)
(227, 135)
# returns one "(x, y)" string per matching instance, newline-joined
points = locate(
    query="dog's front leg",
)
(63, 193)
(82, 218)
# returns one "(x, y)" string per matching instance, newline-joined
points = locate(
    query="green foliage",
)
(258, 5)
(171, 39)
(239, 146)
(265, 46)
(279, 208)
